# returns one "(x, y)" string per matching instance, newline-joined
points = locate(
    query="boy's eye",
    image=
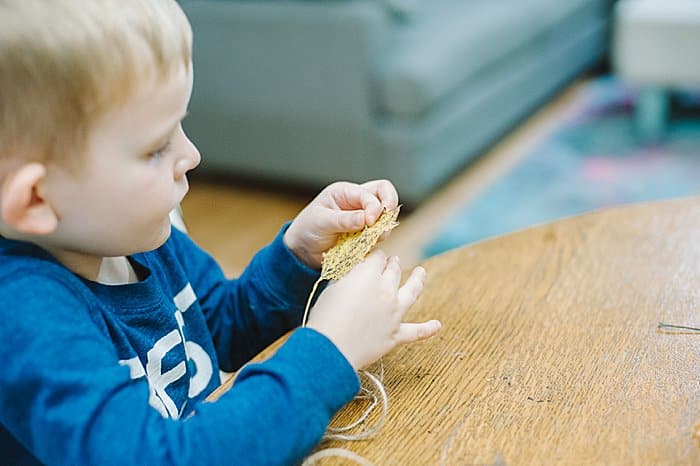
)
(160, 151)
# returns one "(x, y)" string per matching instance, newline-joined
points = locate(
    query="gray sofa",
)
(312, 91)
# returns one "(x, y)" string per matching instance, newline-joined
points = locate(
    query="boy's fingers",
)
(343, 221)
(377, 260)
(385, 191)
(351, 196)
(410, 332)
(409, 292)
(383, 236)
(392, 272)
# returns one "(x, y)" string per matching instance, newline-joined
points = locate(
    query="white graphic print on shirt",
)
(159, 381)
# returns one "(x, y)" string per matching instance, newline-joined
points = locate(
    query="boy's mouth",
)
(185, 190)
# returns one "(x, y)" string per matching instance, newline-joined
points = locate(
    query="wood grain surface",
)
(550, 351)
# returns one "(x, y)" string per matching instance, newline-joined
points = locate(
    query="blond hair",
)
(65, 62)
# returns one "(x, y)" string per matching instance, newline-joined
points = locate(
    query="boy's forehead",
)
(151, 111)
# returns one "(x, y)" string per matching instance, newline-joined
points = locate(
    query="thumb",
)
(410, 332)
(343, 221)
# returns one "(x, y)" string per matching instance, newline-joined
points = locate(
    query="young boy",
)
(114, 326)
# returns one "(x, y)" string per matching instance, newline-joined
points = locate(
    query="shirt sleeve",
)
(247, 314)
(65, 397)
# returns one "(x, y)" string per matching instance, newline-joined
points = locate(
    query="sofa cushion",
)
(445, 43)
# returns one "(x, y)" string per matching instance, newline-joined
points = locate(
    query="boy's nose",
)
(189, 159)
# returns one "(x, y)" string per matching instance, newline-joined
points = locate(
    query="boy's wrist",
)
(315, 353)
(336, 342)
(283, 272)
(294, 246)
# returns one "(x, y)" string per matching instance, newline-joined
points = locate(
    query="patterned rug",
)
(592, 161)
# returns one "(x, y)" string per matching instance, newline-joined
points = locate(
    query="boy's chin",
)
(164, 235)
(159, 238)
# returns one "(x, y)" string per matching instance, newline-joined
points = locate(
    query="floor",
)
(233, 220)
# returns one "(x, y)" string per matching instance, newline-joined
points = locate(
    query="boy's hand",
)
(341, 207)
(361, 313)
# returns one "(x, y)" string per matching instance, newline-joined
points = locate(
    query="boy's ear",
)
(21, 206)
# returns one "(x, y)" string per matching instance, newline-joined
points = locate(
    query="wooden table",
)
(550, 352)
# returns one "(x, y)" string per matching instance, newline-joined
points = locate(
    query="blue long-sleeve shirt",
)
(99, 374)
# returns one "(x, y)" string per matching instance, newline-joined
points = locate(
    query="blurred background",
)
(488, 115)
